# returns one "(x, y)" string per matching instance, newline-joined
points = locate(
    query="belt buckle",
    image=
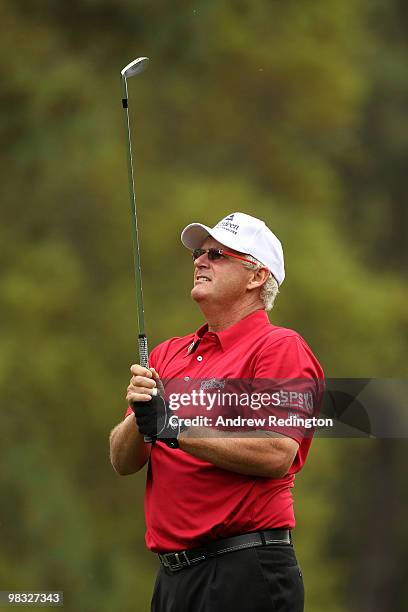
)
(174, 567)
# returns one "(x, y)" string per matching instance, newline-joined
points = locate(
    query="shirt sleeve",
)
(288, 371)
(288, 358)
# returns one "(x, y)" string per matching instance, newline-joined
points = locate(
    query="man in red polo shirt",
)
(218, 504)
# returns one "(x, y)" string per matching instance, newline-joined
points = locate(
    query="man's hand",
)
(150, 416)
(143, 399)
(145, 396)
(143, 384)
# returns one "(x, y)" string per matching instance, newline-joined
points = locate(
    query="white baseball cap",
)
(242, 233)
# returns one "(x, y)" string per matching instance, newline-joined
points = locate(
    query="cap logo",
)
(226, 225)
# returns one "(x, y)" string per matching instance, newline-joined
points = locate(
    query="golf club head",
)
(135, 67)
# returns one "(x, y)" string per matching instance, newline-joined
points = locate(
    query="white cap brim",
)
(194, 235)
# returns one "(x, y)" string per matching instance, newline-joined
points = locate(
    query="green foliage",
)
(294, 112)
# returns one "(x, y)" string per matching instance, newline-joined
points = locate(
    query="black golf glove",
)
(155, 420)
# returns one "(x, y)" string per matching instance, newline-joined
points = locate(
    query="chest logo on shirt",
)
(212, 383)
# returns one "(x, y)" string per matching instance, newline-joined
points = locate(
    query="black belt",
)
(176, 561)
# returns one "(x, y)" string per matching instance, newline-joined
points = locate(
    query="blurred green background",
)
(291, 111)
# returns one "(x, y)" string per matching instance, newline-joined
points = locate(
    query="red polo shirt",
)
(190, 502)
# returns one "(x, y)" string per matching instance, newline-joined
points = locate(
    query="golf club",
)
(135, 67)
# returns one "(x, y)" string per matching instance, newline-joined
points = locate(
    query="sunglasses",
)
(214, 254)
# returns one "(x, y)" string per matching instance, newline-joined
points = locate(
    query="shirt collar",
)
(228, 337)
(196, 339)
(254, 321)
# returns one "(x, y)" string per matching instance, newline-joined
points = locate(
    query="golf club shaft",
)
(143, 349)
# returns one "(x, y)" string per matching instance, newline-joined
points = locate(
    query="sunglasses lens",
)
(214, 254)
(197, 253)
(211, 253)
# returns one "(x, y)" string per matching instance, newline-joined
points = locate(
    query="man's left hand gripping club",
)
(145, 395)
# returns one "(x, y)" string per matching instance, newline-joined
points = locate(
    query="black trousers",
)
(263, 579)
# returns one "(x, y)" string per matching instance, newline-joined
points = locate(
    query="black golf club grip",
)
(144, 361)
(143, 351)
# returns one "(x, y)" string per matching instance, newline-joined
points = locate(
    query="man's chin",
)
(198, 293)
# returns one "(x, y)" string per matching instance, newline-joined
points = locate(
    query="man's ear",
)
(258, 278)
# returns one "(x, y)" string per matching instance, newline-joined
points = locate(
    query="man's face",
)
(223, 281)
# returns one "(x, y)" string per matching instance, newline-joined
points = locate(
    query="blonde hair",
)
(269, 289)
